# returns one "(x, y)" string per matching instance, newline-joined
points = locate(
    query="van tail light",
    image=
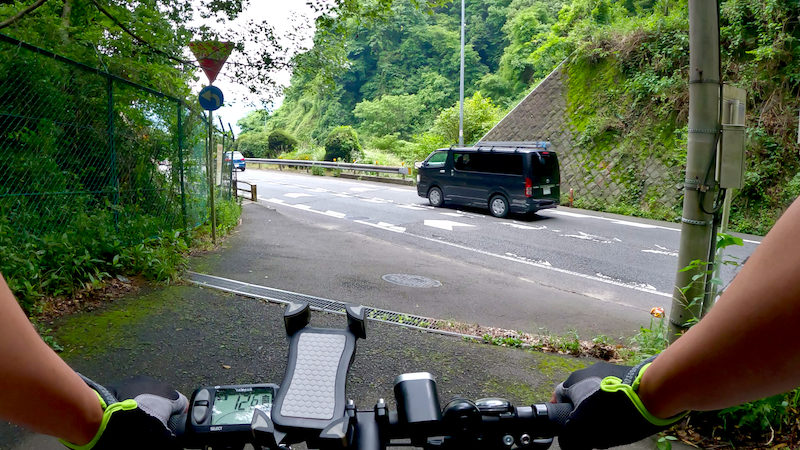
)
(528, 187)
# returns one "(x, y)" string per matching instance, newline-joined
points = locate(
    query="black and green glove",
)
(606, 410)
(136, 415)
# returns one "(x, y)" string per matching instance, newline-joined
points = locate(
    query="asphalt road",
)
(609, 258)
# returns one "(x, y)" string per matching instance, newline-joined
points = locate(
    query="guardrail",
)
(253, 191)
(331, 165)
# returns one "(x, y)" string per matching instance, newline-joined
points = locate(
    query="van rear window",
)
(501, 163)
(545, 165)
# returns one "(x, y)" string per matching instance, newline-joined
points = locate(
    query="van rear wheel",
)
(498, 206)
(435, 197)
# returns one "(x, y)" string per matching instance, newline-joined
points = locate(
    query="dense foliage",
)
(342, 145)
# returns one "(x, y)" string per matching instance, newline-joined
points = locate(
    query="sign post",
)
(212, 56)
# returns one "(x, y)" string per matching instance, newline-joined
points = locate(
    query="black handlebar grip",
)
(558, 414)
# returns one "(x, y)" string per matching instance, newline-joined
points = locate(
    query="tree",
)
(254, 144)
(253, 121)
(342, 144)
(280, 141)
(480, 115)
(389, 114)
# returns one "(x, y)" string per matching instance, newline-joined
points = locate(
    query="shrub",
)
(280, 141)
(253, 144)
(342, 144)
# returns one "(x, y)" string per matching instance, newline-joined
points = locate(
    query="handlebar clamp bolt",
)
(508, 440)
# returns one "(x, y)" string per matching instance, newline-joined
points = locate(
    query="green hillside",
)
(396, 82)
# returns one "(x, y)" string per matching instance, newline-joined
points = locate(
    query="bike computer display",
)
(235, 405)
(228, 410)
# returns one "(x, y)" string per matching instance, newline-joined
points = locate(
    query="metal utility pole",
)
(696, 227)
(211, 183)
(461, 90)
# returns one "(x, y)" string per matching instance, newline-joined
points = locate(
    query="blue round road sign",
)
(211, 98)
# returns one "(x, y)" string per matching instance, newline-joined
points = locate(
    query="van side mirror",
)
(418, 164)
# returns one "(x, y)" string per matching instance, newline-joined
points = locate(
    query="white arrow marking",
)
(296, 195)
(661, 251)
(588, 237)
(445, 224)
(383, 226)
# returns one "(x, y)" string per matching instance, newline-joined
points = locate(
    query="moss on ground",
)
(88, 335)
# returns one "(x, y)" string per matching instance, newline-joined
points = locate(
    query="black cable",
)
(721, 194)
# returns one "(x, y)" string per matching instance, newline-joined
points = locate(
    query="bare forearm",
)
(744, 349)
(40, 391)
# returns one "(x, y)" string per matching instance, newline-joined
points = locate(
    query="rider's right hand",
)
(135, 415)
(607, 411)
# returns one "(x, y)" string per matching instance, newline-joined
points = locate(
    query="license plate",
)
(546, 190)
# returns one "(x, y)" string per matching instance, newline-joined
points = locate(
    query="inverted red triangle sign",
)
(211, 55)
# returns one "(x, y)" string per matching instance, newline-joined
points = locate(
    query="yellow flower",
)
(657, 312)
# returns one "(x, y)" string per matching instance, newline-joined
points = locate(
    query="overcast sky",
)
(279, 14)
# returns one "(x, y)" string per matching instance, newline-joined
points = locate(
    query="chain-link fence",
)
(81, 149)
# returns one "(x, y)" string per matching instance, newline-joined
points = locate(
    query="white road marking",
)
(412, 207)
(373, 200)
(318, 190)
(537, 261)
(588, 237)
(661, 251)
(542, 265)
(296, 195)
(636, 287)
(361, 189)
(568, 214)
(446, 224)
(400, 189)
(638, 225)
(383, 226)
(336, 214)
(645, 286)
(523, 227)
(452, 214)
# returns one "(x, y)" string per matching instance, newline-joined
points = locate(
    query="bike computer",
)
(226, 411)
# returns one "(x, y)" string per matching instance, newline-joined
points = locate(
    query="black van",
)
(519, 177)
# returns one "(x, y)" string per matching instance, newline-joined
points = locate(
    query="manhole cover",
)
(404, 279)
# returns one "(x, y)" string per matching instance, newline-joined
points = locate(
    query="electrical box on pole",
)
(730, 152)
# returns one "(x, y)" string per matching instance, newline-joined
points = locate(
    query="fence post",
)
(180, 165)
(112, 148)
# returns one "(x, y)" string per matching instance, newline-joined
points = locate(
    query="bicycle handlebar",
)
(310, 406)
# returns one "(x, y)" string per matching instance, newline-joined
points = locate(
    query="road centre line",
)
(397, 229)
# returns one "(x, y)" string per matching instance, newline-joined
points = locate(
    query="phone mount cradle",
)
(311, 404)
